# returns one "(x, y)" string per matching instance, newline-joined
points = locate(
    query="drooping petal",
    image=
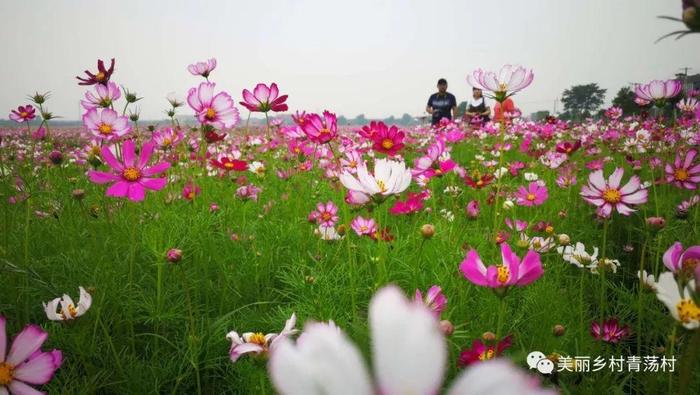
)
(672, 257)
(118, 189)
(39, 369)
(473, 269)
(100, 177)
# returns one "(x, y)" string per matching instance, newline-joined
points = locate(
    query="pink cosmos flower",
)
(387, 140)
(264, 99)
(658, 91)
(434, 300)
(248, 192)
(356, 198)
(39, 134)
(106, 95)
(612, 332)
(683, 173)
(688, 105)
(511, 272)
(101, 77)
(320, 130)
(23, 113)
(412, 204)
(106, 124)
(212, 109)
(25, 363)
(480, 352)
(326, 214)
(567, 147)
(534, 195)
(130, 177)
(473, 209)
(607, 195)
(167, 138)
(363, 226)
(516, 225)
(202, 68)
(613, 112)
(190, 191)
(256, 342)
(509, 80)
(678, 260)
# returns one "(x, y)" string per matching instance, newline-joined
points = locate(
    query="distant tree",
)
(625, 100)
(342, 120)
(539, 115)
(461, 109)
(359, 120)
(406, 120)
(580, 101)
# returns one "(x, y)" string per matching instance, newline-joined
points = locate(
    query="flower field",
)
(210, 255)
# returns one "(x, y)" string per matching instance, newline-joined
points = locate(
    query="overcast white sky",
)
(379, 58)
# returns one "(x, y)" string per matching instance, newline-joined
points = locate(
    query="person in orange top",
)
(499, 109)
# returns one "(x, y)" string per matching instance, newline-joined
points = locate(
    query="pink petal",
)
(155, 184)
(136, 191)
(19, 388)
(100, 177)
(109, 158)
(262, 93)
(146, 152)
(597, 180)
(615, 178)
(26, 343)
(128, 153)
(672, 256)
(530, 268)
(473, 268)
(3, 339)
(244, 348)
(118, 189)
(39, 369)
(155, 169)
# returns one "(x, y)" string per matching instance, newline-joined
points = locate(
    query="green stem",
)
(496, 208)
(671, 350)
(602, 268)
(685, 376)
(639, 301)
(499, 322)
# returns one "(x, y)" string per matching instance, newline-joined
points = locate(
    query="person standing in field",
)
(441, 104)
(477, 107)
(499, 109)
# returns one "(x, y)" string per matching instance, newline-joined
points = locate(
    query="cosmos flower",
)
(688, 105)
(578, 256)
(387, 140)
(534, 195)
(319, 129)
(101, 77)
(434, 300)
(363, 226)
(248, 192)
(473, 209)
(608, 195)
(212, 109)
(389, 178)
(678, 300)
(613, 112)
(328, 233)
(264, 99)
(202, 68)
(480, 352)
(658, 92)
(511, 272)
(256, 342)
(326, 214)
(25, 363)
(69, 310)
(23, 113)
(682, 261)
(683, 173)
(567, 147)
(130, 177)
(478, 182)
(166, 138)
(190, 191)
(612, 331)
(106, 94)
(106, 124)
(509, 80)
(228, 164)
(408, 352)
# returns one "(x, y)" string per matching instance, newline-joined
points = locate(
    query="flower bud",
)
(564, 239)
(427, 231)
(173, 255)
(78, 194)
(558, 330)
(656, 222)
(447, 328)
(56, 157)
(342, 229)
(508, 204)
(310, 279)
(488, 336)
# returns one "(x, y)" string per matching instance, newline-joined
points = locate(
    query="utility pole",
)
(556, 99)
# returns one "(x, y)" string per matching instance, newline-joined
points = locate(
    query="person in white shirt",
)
(477, 107)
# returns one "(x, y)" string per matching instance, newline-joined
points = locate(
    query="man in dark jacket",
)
(441, 104)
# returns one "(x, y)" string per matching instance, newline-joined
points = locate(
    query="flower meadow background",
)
(209, 253)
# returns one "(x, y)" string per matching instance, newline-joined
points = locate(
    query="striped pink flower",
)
(608, 195)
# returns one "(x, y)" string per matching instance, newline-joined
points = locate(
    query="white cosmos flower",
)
(578, 256)
(327, 233)
(256, 342)
(531, 176)
(390, 178)
(68, 309)
(682, 307)
(409, 354)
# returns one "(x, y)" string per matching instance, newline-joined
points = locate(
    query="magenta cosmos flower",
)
(202, 68)
(212, 109)
(509, 80)
(101, 77)
(534, 195)
(106, 124)
(511, 272)
(264, 99)
(678, 260)
(320, 130)
(434, 300)
(23, 113)
(130, 177)
(612, 331)
(364, 226)
(25, 363)
(683, 173)
(387, 140)
(658, 92)
(326, 214)
(607, 195)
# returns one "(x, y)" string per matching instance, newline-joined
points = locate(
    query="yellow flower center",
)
(72, 312)
(326, 216)
(688, 311)
(363, 228)
(191, 195)
(531, 197)
(324, 131)
(100, 76)
(503, 274)
(681, 175)
(387, 143)
(257, 338)
(549, 229)
(105, 129)
(211, 114)
(167, 141)
(229, 165)
(352, 164)
(382, 186)
(612, 195)
(6, 373)
(480, 183)
(23, 114)
(488, 354)
(131, 174)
